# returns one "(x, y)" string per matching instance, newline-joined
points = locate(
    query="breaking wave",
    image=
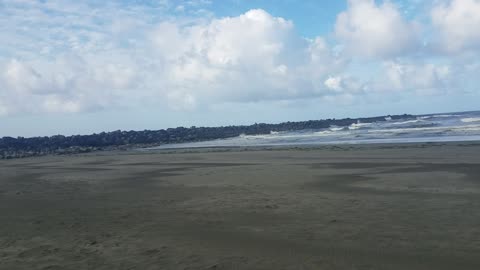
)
(434, 128)
(470, 119)
(355, 126)
(408, 122)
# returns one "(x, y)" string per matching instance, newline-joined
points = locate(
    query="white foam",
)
(437, 116)
(333, 128)
(407, 122)
(470, 119)
(324, 132)
(359, 125)
(444, 115)
(416, 129)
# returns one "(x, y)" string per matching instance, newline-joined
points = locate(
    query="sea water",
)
(464, 126)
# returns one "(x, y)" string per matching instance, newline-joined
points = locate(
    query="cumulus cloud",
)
(456, 23)
(342, 84)
(334, 83)
(252, 57)
(248, 58)
(67, 84)
(22, 79)
(423, 79)
(369, 29)
(59, 57)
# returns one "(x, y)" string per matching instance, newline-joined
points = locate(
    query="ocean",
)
(447, 127)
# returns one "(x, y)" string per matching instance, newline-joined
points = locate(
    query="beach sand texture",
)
(405, 206)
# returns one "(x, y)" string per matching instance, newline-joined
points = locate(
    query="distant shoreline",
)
(307, 146)
(313, 132)
(372, 142)
(38, 146)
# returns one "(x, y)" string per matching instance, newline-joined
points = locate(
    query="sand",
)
(405, 206)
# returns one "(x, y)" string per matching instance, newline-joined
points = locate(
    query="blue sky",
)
(311, 17)
(77, 67)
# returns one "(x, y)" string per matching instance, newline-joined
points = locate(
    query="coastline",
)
(461, 126)
(317, 146)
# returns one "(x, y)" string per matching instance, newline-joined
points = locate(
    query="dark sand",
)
(332, 207)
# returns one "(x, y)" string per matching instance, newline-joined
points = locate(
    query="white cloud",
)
(60, 57)
(370, 30)
(180, 8)
(21, 78)
(67, 84)
(181, 101)
(57, 104)
(251, 57)
(456, 23)
(344, 85)
(334, 83)
(248, 58)
(423, 79)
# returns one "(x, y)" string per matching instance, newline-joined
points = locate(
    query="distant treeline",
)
(59, 144)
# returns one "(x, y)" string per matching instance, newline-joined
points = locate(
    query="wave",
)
(355, 126)
(427, 128)
(335, 128)
(444, 115)
(408, 122)
(422, 128)
(470, 119)
(249, 137)
(425, 117)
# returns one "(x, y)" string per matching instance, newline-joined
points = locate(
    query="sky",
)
(79, 67)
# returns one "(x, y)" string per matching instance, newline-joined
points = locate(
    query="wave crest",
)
(470, 119)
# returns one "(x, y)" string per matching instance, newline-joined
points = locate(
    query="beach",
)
(372, 206)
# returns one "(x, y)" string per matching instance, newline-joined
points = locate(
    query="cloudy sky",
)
(77, 67)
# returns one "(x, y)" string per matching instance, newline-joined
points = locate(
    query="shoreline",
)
(205, 144)
(380, 129)
(315, 145)
(149, 149)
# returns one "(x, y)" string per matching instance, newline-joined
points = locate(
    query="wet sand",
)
(405, 206)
